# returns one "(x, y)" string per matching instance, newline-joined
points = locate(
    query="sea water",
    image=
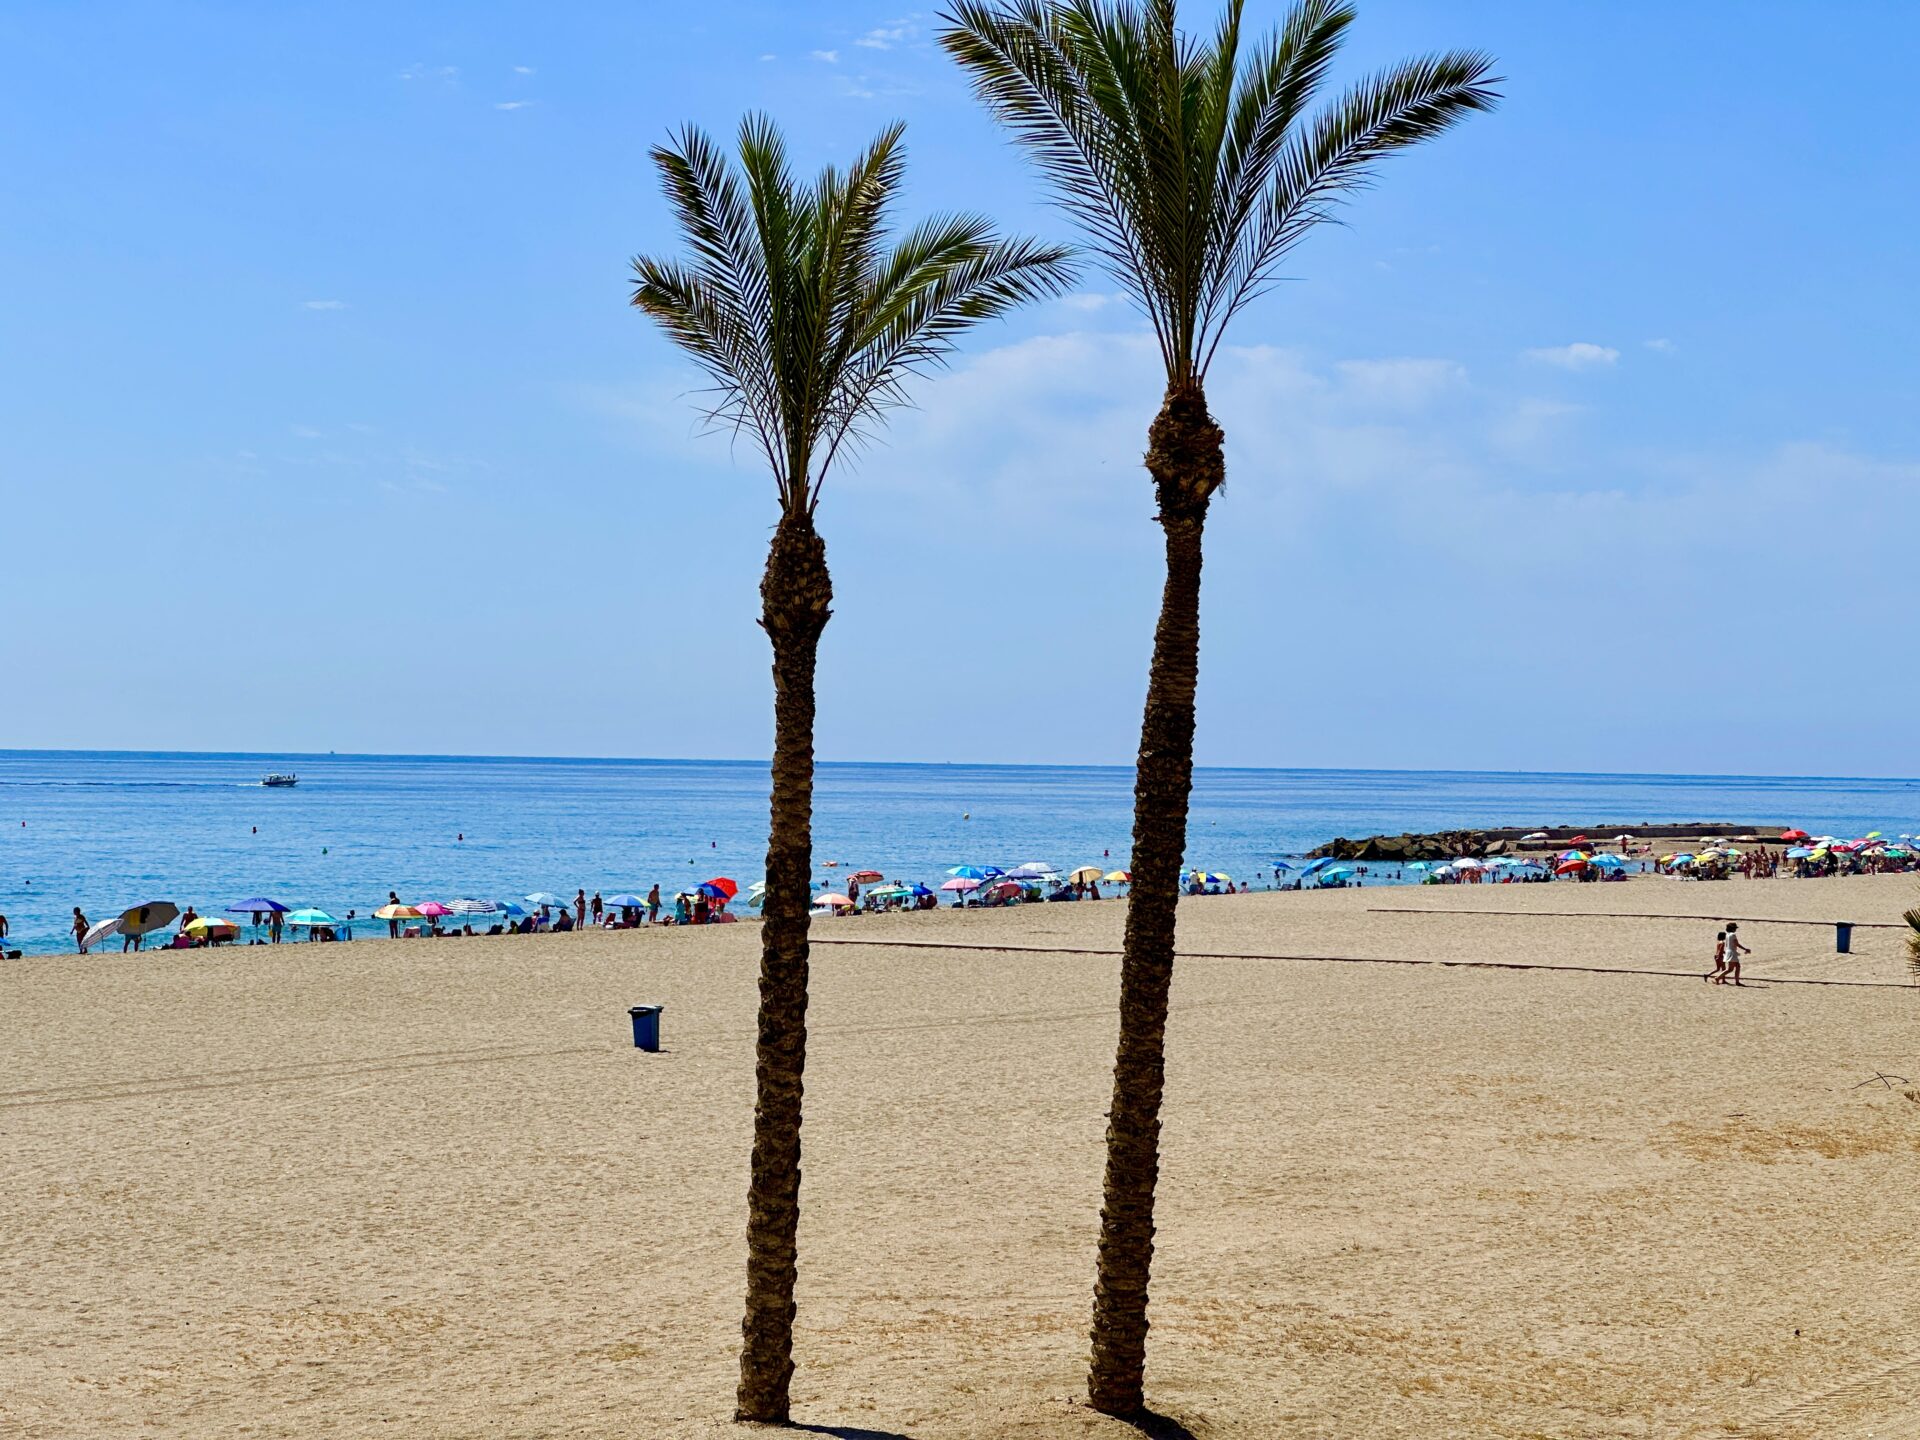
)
(106, 831)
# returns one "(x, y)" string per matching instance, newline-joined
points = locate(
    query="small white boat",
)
(279, 782)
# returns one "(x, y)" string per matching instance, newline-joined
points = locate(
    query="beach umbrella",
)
(725, 886)
(867, 877)
(1795, 835)
(833, 900)
(472, 907)
(967, 872)
(1467, 862)
(257, 907)
(1118, 877)
(508, 908)
(431, 908)
(962, 883)
(1085, 873)
(545, 897)
(917, 890)
(104, 930)
(211, 926)
(1569, 867)
(1336, 872)
(625, 900)
(1320, 864)
(1032, 870)
(1609, 862)
(1680, 859)
(1798, 852)
(396, 912)
(1536, 835)
(711, 891)
(143, 919)
(1005, 888)
(311, 917)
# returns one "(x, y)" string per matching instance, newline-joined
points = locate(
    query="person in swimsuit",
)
(580, 909)
(1719, 959)
(80, 928)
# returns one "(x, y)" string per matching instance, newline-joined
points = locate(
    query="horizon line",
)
(924, 764)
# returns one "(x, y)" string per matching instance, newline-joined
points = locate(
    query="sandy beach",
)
(430, 1189)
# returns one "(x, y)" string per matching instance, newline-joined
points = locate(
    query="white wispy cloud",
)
(305, 432)
(895, 32)
(1089, 300)
(430, 72)
(1580, 355)
(323, 304)
(511, 104)
(1663, 345)
(769, 56)
(523, 69)
(831, 57)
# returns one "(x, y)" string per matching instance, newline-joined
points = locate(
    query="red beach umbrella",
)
(1795, 835)
(868, 877)
(724, 886)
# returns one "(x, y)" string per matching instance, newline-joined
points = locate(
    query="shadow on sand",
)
(1155, 1426)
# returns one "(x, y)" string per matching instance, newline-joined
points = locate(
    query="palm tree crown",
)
(806, 321)
(1190, 163)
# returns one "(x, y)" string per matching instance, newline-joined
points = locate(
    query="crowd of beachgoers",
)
(262, 920)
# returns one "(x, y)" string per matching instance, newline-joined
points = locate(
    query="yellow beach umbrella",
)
(396, 912)
(1119, 877)
(208, 924)
(1084, 874)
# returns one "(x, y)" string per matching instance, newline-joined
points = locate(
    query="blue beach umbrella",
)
(508, 908)
(257, 907)
(1337, 872)
(545, 897)
(622, 901)
(1609, 862)
(967, 872)
(711, 891)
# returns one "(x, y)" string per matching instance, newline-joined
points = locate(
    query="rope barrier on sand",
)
(1760, 980)
(1630, 915)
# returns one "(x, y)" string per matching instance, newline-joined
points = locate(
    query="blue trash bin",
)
(646, 1026)
(1843, 937)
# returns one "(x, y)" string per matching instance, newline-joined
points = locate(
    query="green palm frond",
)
(1191, 163)
(791, 301)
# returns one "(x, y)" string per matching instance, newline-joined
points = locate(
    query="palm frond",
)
(1188, 160)
(792, 303)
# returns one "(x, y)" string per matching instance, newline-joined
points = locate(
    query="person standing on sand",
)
(1734, 951)
(80, 928)
(273, 928)
(1719, 959)
(598, 909)
(653, 904)
(580, 909)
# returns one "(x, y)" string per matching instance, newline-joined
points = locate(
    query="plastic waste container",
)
(646, 1026)
(1843, 937)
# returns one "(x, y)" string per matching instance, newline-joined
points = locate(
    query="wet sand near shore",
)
(430, 1189)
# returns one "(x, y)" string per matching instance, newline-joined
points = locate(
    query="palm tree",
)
(1194, 168)
(809, 321)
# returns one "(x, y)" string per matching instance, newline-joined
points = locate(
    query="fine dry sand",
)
(430, 1189)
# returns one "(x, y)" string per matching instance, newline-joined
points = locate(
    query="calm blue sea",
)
(110, 830)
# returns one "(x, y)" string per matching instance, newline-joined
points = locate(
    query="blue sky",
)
(1592, 441)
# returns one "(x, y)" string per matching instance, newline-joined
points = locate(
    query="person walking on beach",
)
(580, 909)
(80, 928)
(1734, 951)
(1719, 959)
(653, 904)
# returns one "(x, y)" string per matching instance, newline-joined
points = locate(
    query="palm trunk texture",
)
(1185, 458)
(796, 595)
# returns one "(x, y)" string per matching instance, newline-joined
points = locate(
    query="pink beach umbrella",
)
(433, 908)
(961, 884)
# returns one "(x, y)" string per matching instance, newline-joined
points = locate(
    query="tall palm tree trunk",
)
(1184, 457)
(796, 595)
